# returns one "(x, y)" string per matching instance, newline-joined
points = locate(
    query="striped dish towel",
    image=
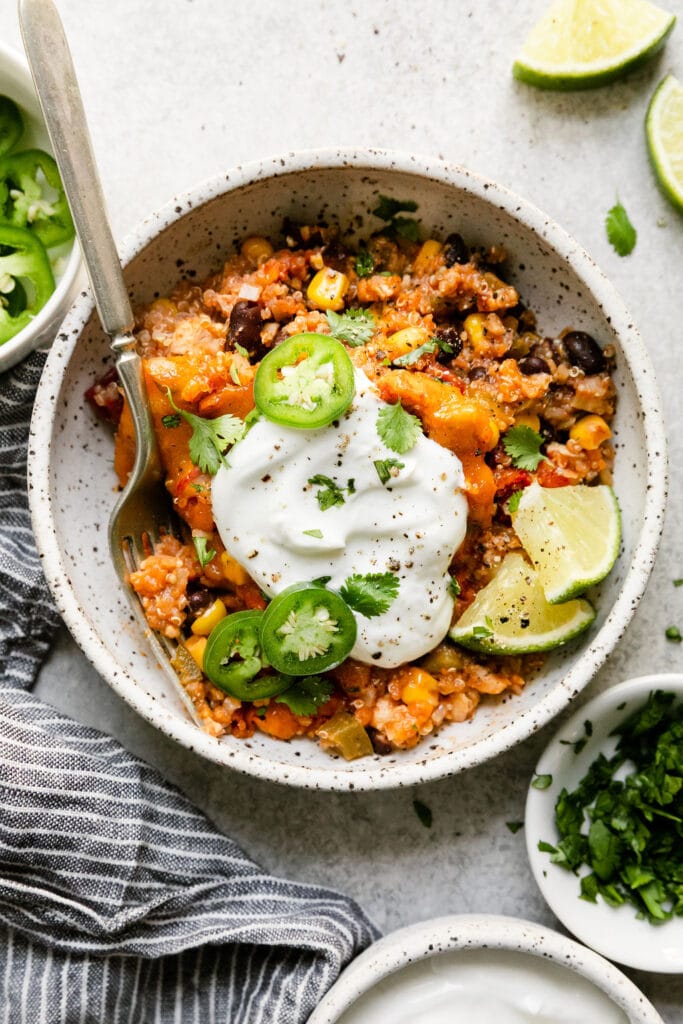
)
(119, 901)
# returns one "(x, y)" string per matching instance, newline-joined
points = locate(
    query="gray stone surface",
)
(177, 90)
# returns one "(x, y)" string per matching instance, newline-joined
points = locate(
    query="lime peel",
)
(664, 134)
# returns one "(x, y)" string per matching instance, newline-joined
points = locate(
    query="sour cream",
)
(269, 519)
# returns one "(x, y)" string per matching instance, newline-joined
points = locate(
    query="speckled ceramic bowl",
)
(16, 82)
(427, 972)
(72, 480)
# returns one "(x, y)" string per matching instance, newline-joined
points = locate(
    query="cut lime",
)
(511, 615)
(580, 44)
(571, 534)
(664, 132)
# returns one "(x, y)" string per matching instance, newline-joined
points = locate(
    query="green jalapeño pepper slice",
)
(306, 382)
(32, 196)
(26, 281)
(233, 659)
(11, 124)
(306, 630)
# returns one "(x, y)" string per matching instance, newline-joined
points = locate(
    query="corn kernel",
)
(233, 571)
(421, 688)
(590, 432)
(327, 289)
(476, 331)
(196, 645)
(404, 341)
(203, 625)
(528, 419)
(428, 250)
(256, 249)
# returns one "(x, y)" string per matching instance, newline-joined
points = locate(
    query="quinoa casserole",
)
(447, 351)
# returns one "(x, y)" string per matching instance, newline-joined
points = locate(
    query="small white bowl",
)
(615, 932)
(432, 970)
(16, 82)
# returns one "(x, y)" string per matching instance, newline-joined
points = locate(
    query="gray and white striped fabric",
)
(119, 901)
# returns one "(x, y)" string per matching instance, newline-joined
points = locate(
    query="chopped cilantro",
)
(398, 429)
(620, 232)
(410, 358)
(171, 421)
(318, 534)
(241, 350)
(210, 438)
(523, 445)
(406, 227)
(678, 583)
(355, 326)
(387, 208)
(482, 632)
(370, 595)
(307, 695)
(542, 781)
(387, 468)
(514, 826)
(204, 555)
(423, 812)
(513, 501)
(330, 493)
(235, 375)
(364, 264)
(454, 588)
(673, 633)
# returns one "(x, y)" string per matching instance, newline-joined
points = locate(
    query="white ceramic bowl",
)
(72, 479)
(427, 971)
(16, 82)
(615, 932)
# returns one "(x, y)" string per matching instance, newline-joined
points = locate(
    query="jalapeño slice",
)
(233, 659)
(11, 124)
(306, 382)
(26, 281)
(306, 630)
(32, 196)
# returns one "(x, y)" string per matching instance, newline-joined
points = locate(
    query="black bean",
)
(583, 351)
(455, 250)
(449, 336)
(199, 600)
(380, 744)
(244, 328)
(477, 373)
(533, 364)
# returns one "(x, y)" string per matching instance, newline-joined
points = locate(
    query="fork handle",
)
(55, 81)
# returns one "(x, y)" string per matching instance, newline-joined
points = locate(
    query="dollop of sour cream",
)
(269, 519)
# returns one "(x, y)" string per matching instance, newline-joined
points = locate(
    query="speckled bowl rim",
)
(375, 776)
(32, 336)
(478, 932)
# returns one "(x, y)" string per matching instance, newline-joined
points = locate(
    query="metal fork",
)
(143, 513)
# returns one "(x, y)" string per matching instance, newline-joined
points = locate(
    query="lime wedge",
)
(579, 44)
(571, 534)
(511, 615)
(664, 132)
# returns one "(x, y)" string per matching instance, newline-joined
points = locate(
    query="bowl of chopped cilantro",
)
(604, 823)
(39, 259)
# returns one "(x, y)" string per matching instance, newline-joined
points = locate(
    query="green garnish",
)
(627, 826)
(384, 469)
(678, 583)
(523, 445)
(370, 595)
(514, 826)
(409, 358)
(241, 350)
(387, 208)
(204, 555)
(620, 232)
(330, 492)
(318, 534)
(321, 581)
(673, 633)
(542, 781)
(235, 375)
(513, 501)
(171, 420)
(454, 588)
(364, 264)
(355, 326)
(307, 695)
(398, 429)
(423, 812)
(210, 438)
(482, 632)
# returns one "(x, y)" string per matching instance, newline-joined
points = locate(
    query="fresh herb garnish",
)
(241, 350)
(235, 375)
(355, 326)
(482, 632)
(514, 826)
(398, 429)
(210, 438)
(454, 588)
(410, 358)
(523, 445)
(423, 812)
(387, 468)
(370, 595)
(620, 232)
(513, 501)
(171, 420)
(678, 583)
(406, 227)
(624, 820)
(330, 493)
(204, 555)
(542, 781)
(307, 695)
(318, 534)
(364, 264)
(387, 208)
(673, 633)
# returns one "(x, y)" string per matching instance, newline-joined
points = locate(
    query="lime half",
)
(580, 44)
(511, 615)
(664, 132)
(571, 534)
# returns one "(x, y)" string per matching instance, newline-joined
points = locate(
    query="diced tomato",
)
(548, 476)
(105, 398)
(509, 480)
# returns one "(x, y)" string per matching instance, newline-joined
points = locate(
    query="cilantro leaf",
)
(398, 429)
(423, 812)
(673, 633)
(355, 326)
(387, 208)
(307, 695)
(406, 227)
(330, 492)
(171, 421)
(514, 826)
(384, 469)
(513, 501)
(370, 595)
(454, 588)
(318, 534)
(241, 350)
(204, 555)
(364, 264)
(523, 445)
(409, 358)
(620, 232)
(542, 781)
(210, 438)
(482, 632)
